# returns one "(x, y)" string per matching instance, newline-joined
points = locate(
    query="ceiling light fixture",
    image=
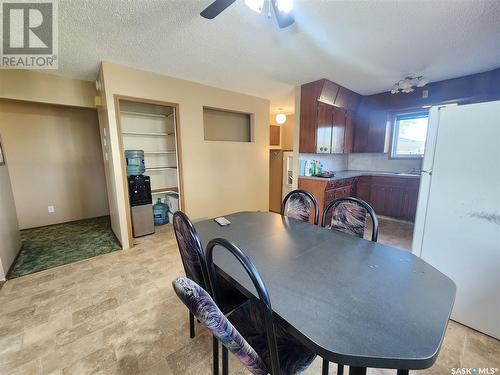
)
(284, 6)
(255, 5)
(280, 118)
(408, 84)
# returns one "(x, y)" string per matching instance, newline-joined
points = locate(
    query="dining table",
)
(352, 301)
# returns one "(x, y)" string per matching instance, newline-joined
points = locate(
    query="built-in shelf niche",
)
(225, 125)
(151, 128)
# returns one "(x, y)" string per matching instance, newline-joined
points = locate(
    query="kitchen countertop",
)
(341, 175)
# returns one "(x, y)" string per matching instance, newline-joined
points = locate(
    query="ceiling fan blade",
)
(284, 19)
(215, 8)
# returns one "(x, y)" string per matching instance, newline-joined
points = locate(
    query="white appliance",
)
(457, 228)
(287, 173)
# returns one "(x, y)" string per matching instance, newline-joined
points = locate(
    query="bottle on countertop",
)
(307, 168)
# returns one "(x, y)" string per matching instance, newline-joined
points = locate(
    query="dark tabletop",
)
(352, 301)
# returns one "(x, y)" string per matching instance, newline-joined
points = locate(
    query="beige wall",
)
(10, 241)
(109, 170)
(46, 88)
(55, 158)
(286, 131)
(218, 177)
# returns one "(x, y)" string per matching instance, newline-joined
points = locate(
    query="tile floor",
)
(117, 314)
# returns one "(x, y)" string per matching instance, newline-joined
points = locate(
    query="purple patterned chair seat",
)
(294, 357)
(250, 346)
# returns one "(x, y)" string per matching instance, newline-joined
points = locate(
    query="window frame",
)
(396, 117)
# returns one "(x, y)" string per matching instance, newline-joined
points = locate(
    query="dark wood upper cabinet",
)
(349, 132)
(371, 133)
(338, 130)
(327, 117)
(329, 92)
(274, 135)
(324, 129)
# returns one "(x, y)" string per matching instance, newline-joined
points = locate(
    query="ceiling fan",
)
(283, 9)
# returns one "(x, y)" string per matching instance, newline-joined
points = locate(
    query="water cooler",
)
(139, 190)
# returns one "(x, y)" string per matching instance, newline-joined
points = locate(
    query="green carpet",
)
(59, 244)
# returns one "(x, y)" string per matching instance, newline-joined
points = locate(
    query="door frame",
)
(117, 98)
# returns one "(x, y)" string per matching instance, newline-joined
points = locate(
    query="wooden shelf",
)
(160, 168)
(159, 152)
(148, 134)
(143, 114)
(165, 190)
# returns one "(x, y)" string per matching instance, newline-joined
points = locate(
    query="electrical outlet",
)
(425, 94)
(51, 209)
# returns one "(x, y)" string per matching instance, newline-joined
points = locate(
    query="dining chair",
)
(195, 266)
(349, 216)
(297, 205)
(249, 331)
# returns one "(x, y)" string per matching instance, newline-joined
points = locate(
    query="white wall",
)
(10, 241)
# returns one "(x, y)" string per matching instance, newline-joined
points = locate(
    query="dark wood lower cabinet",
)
(394, 197)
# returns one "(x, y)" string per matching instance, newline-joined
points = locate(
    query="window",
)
(409, 134)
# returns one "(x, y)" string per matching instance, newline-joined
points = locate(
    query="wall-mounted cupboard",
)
(326, 118)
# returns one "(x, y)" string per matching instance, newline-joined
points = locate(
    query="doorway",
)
(152, 128)
(56, 172)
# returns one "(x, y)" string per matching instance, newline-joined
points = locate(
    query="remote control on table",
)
(222, 221)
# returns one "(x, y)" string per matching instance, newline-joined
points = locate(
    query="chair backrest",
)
(297, 205)
(259, 285)
(206, 311)
(349, 216)
(191, 250)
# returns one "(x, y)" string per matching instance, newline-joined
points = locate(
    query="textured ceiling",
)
(363, 45)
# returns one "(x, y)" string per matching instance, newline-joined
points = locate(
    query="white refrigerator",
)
(457, 227)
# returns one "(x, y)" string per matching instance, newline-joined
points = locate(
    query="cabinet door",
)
(370, 133)
(378, 198)
(410, 203)
(324, 129)
(394, 206)
(274, 135)
(363, 187)
(338, 130)
(349, 132)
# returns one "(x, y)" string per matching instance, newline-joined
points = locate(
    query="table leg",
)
(324, 370)
(403, 372)
(357, 370)
(225, 361)
(191, 325)
(215, 348)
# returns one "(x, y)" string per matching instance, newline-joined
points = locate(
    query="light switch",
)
(51, 209)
